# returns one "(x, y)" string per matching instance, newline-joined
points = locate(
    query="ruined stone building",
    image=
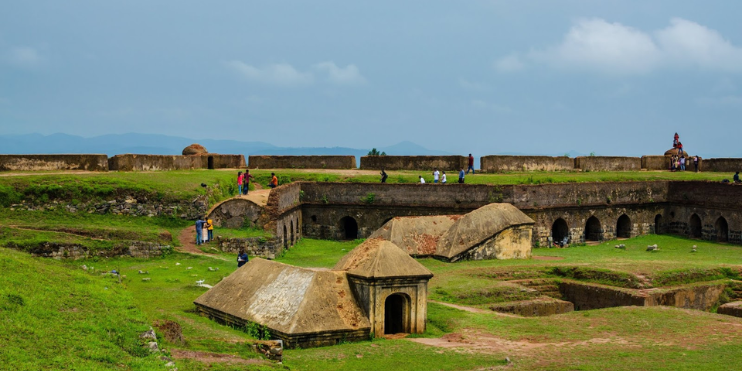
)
(376, 288)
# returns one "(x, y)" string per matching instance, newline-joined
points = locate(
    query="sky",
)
(486, 77)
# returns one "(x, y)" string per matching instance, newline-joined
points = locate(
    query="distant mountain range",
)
(155, 144)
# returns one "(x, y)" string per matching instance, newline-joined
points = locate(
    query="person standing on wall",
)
(695, 162)
(274, 181)
(246, 182)
(436, 175)
(471, 164)
(383, 175)
(461, 176)
(239, 183)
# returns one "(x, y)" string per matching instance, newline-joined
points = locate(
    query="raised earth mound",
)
(194, 149)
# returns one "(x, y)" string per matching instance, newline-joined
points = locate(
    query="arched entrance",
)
(396, 313)
(559, 231)
(722, 229)
(285, 238)
(348, 228)
(695, 226)
(210, 163)
(658, 229)
(593, 230)
(623, 227)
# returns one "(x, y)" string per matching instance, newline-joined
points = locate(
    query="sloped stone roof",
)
(416, 235)
(378, 258)
(479, 226)
(288, 299)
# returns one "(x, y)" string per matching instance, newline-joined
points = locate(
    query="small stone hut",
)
(494, 231)
(376, 288)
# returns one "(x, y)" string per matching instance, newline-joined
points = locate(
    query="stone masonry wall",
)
(495, 164)
(268, 248)
(302, 162)
(423, 163)
(134, 162)
(53, 162)
(606, 163)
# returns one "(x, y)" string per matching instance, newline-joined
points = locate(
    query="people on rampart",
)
(242, 258)
(675, 141)
(199, 230)
(383, 175)
(239, 182)
(461, 176)
(443, 179)
(274, 181)
(471, 164)
(422, 180)
(246, 182)
(436, 175)
(695, 162)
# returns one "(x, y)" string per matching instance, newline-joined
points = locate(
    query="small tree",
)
(375, 152)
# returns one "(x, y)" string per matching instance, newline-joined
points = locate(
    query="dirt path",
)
(187, 238)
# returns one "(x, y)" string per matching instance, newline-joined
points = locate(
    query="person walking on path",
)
(461, 176)
(239, 182)
(383, 175)
(422, 180)
(210, 229)
(443, 180)
(242, 258)
(199, 230)
(695, 162)
(274, 181)
(246, 182)
(471, 164)
(436, 176)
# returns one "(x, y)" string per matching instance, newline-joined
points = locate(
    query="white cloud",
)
(509, 63)
(597, 45)
(473, 85)
(275, 74)
(349, 75)
(24, 56)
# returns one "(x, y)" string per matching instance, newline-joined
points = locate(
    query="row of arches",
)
(594, 229)
(290, 234)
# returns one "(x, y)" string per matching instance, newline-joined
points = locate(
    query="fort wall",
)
(135, 162)
(424, 163)
(726, 165)
(496, 164)
(87, 162)
(608, 163)
(302, 162)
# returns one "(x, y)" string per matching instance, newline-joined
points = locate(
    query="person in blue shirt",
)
(199, 230)
(242, 258)
(462, 174)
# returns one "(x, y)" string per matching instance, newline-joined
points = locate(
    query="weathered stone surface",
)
(731, 309)
(136, 249)
(302, 162)
(501, 163)
(377, 258)
(267, 248)
(425, 163)
(87, 162)
(535, 308)
(608, 163)
(194, 149)
(136, 162)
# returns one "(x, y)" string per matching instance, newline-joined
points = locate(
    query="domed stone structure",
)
(194, 149)
(675, 152)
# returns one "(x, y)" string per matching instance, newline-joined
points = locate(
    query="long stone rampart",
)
(302, 162)
(136, 162)
(496, 164)
(87, 162)
(608, 163)
(423, 163)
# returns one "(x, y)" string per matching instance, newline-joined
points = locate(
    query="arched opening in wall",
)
(623, 227)
(658, 229)
(560, 231)
(285, 238)
(292, 240)
(348, 228)
(695, 226)
(722, 229)
(396, 314)
(593, 231)
(210, 162)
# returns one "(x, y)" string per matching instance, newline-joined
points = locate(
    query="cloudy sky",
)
(538, 77)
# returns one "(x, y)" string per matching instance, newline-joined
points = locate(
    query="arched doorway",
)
(396, 313)
(559, 231)
(658, 224)
(285, 238)
(593, 230)
(695, 226)
(722, 229)
(292, 234)
(623, 227)
(348, 228)
(210, 163)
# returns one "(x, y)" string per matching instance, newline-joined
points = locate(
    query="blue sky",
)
(488, 77)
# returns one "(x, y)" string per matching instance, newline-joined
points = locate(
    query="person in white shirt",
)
(436, 176)
(444, 178)
(422, 181)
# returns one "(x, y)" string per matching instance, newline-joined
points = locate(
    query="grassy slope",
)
(53, 317)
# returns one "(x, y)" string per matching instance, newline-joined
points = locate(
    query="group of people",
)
(677, 163)
(204, 230)
(243, 182)
(439, 176)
